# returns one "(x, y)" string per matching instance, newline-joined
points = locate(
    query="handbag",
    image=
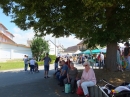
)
(67, 88)
(80, 91)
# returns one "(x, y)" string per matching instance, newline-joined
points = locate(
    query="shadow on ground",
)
(33, 85)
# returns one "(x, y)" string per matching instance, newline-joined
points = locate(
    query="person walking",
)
(47, 61)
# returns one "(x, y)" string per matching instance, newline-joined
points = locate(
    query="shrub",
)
(40, 63)
(53, 57)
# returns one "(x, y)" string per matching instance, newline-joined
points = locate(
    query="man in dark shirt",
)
(56, 63)
(47, 61)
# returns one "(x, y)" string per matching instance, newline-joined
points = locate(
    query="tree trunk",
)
(111, 57)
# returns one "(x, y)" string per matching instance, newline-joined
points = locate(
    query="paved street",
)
(18, 83)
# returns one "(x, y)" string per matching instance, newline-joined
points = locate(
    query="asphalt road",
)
(18, 83)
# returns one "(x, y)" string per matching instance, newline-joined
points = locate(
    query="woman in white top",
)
(32, 64)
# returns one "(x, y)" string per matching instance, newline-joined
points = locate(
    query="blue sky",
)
(5, 20)
(21, 37)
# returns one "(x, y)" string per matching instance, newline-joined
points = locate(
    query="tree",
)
(98, 22)
(39, 47)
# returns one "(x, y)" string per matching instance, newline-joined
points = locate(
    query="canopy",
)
(95, 51)
(87, 52)
(77, 52)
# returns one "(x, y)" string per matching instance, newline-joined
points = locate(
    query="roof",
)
(20, 45)
(71, 49)
(7, 37)
(53, 43)
(3, 26)
(60, 46)
(10, 33)
(80, 42)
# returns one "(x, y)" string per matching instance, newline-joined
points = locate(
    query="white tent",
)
(77, 52)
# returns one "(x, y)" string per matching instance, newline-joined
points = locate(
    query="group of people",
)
(123, 57)
(99, 59)
(30, 63)
(68, 73)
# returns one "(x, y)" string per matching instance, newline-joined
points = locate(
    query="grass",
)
(11, 65)
(15, 64)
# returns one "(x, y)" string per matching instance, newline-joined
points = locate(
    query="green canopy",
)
(87, 52)
(91, 51)
(96, 51)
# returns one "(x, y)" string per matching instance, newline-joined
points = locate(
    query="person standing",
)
(68, 62)
(82, 59)
(56, 63)
(25, 59)
(127, 54)
(47, 61)
(101, 59)
(32, 64)
(119, 61)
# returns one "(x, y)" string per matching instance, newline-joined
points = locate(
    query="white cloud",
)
(16, 30)
(21, 37)
(65, 41)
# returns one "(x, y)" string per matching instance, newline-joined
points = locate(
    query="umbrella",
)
(96, 51)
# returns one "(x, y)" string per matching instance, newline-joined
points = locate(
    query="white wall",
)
(8, 51)
(53, 50)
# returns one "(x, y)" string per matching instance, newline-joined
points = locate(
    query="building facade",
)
(8, 48)
(81, 46)
(53, 50)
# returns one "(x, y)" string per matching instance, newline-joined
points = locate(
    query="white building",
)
(55, 49)
(8, 48)
(52, 48)
(60, 49)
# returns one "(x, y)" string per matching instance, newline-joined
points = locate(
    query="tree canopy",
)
(99, 22)
(97, 19)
